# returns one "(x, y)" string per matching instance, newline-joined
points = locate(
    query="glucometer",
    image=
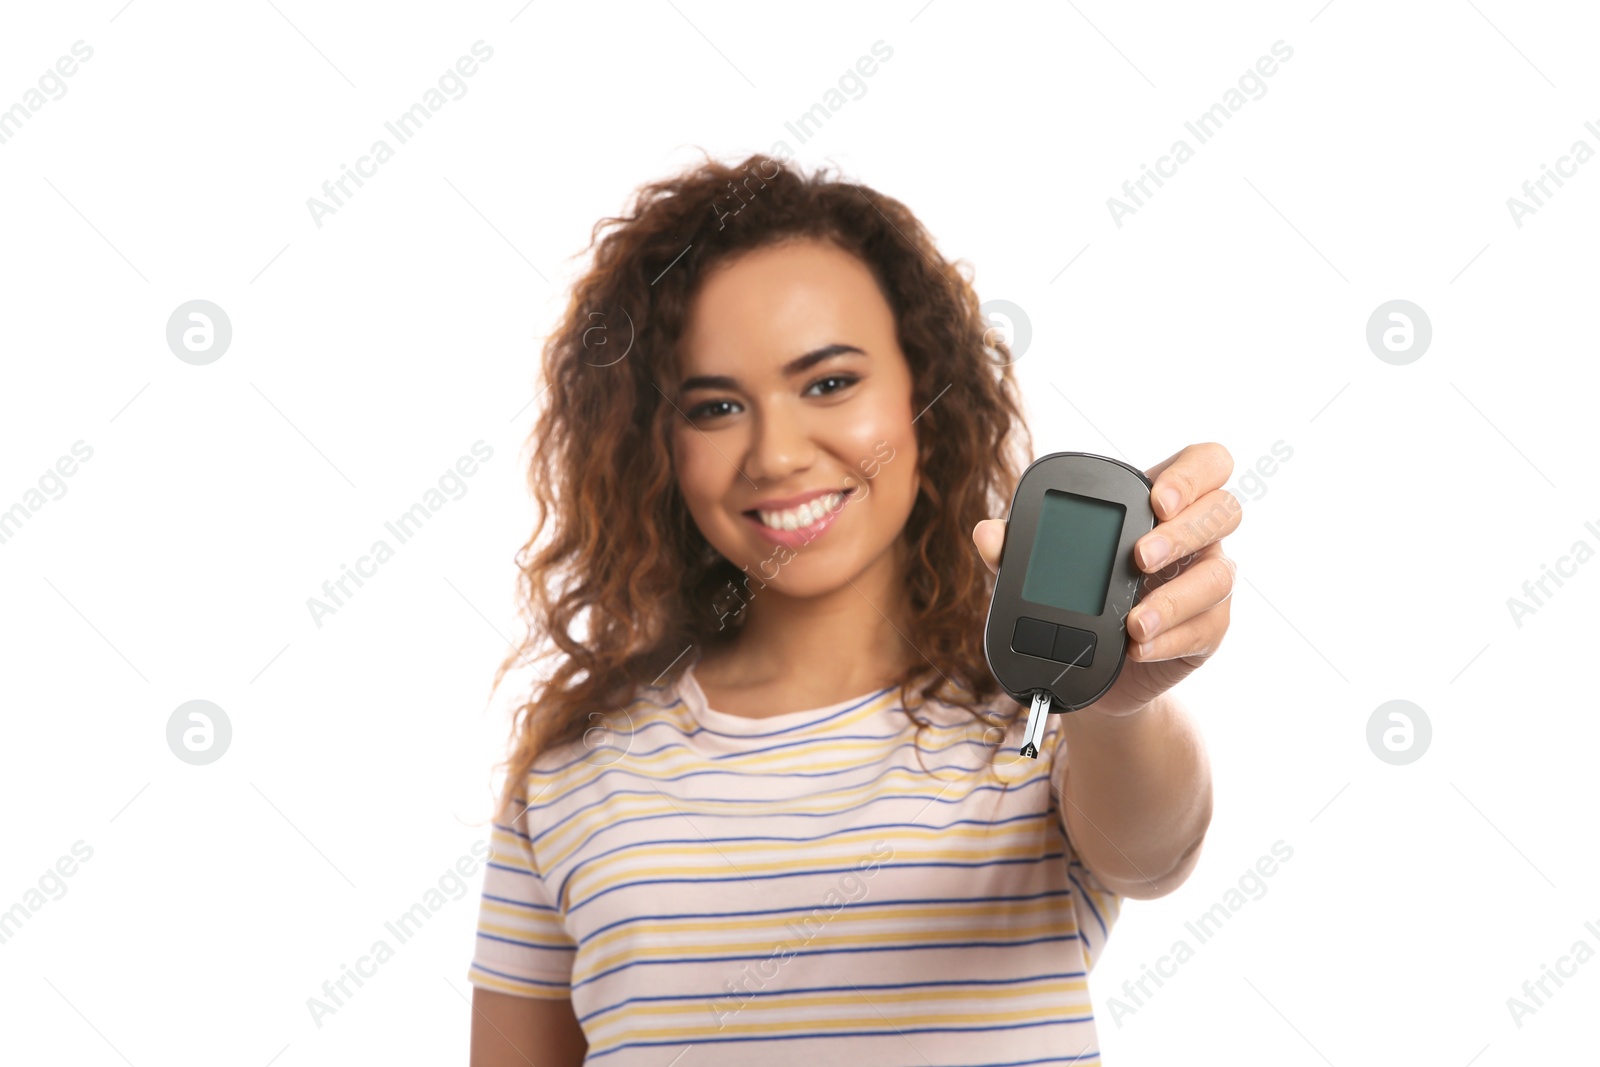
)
(1057, 629)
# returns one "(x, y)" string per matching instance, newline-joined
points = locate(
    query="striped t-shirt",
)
(710, 888)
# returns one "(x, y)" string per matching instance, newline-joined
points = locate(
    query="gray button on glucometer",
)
(1033, 637)
(1047, 640)
(1073, 646)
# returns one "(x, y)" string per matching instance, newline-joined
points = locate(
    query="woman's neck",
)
(801, 652)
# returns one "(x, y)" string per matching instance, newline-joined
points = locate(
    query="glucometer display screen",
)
(1073, 552)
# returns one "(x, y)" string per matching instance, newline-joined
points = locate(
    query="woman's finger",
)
(1186, 476)
(1199, 636)
(1204, 522)
(1201, 585)
(990, 537)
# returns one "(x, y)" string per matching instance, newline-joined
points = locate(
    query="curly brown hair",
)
(625, 558)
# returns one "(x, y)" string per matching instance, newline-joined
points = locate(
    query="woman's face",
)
(796, 454)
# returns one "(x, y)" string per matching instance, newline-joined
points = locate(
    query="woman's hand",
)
(1182, 615)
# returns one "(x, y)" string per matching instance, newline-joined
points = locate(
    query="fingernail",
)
(1148, 620)
(1154, 552)
(1169, 501)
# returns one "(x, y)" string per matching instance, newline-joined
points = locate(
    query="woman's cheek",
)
(690, 455)
(872, 433)
(888, 460)
(860, 489)
(698, 478)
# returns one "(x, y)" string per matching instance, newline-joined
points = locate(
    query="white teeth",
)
(805, 515)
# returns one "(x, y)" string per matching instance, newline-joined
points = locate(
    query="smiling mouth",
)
(805, 515)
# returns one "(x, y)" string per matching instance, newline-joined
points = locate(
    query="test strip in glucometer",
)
(1037, 716)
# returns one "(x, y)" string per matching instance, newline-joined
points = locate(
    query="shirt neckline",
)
(694, 698)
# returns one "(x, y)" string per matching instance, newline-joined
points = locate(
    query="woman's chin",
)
(802, 578)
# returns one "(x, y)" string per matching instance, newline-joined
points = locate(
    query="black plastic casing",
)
(1070, 687)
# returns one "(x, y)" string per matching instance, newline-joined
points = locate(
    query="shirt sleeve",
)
(1095, 906)
(523, 946)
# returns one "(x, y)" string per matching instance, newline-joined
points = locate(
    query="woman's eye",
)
(712, 408)
(831, 384)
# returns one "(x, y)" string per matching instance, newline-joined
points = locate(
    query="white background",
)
(368, 354)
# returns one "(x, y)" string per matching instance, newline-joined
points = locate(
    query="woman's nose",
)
(782, 444)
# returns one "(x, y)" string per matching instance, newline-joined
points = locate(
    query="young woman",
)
(768, 805)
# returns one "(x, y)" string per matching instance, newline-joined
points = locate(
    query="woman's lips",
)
(800, 535)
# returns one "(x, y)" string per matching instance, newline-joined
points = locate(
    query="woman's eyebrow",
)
(795, 366)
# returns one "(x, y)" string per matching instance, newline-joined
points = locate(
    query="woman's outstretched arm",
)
(1136, 796)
